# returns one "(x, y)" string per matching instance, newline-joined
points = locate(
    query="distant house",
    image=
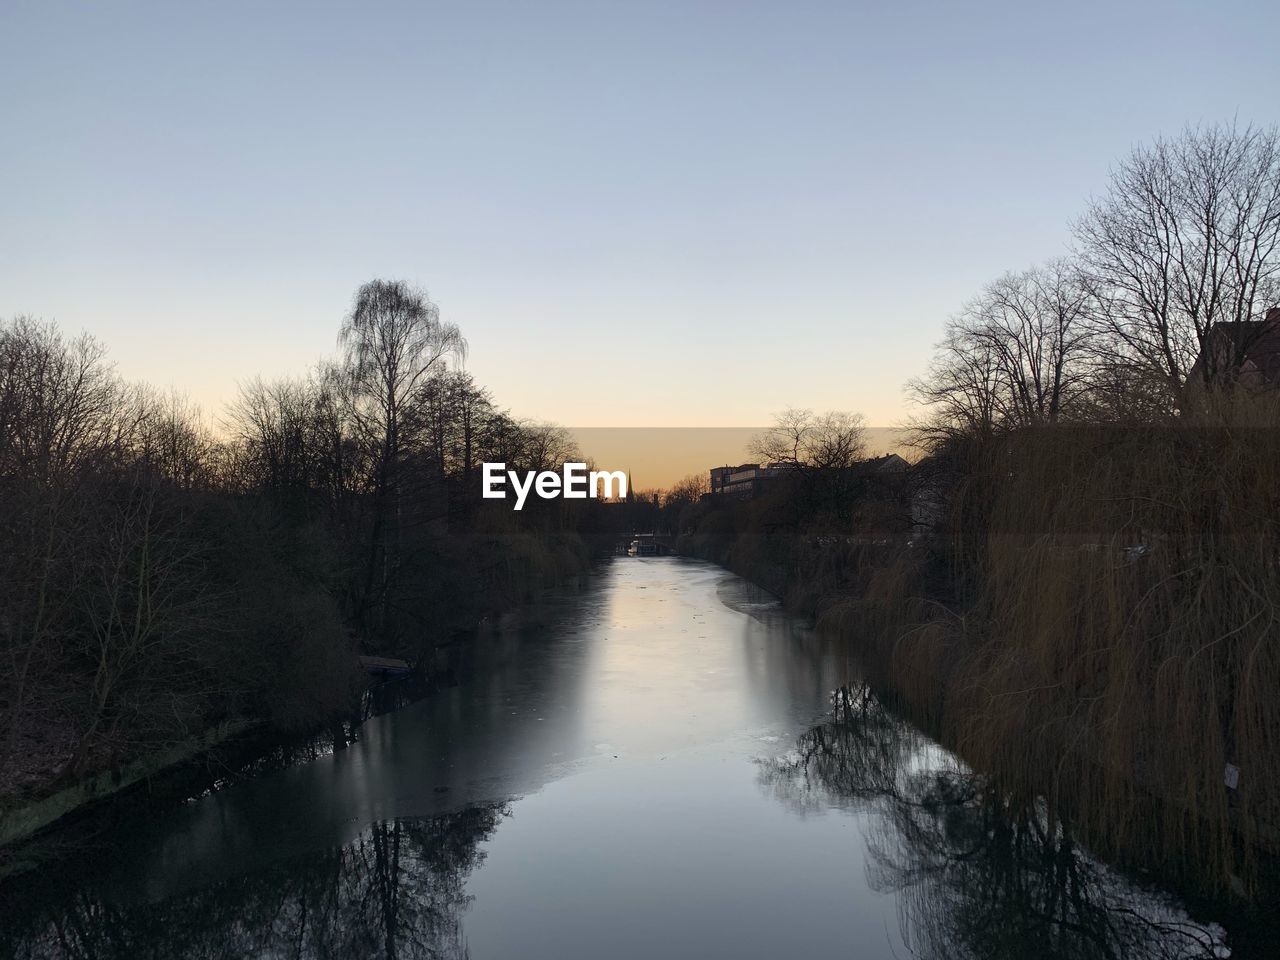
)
(1244, 352)
(744, 481)
(748, 480)
(890, 465)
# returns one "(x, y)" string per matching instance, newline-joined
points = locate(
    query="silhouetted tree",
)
(804, 441)
(1017, 355)
(1187, 236)
(393, 340)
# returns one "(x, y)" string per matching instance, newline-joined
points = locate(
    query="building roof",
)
(1242, 350)
(888, 464)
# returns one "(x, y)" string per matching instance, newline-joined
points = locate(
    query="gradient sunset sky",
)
(686, 214)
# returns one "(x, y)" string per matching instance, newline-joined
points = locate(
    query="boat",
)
(643, 546)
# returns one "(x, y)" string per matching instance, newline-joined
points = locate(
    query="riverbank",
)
(904, 618)
(510, 574)
(163, 579)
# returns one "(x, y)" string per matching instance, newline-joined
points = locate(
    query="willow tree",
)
(393, 342)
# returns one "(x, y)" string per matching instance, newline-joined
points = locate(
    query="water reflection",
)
(974, 872)
(395, 892)
(592, 789)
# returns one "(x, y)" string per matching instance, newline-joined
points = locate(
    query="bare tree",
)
(960, 391)
(803, 440)
(546, 446)
(393, 341)
(150, 616)
(1036, 325)
(60, 425)
(1185, 238)
(1019, 354)
(273, 425)
(170, 438)
(686, 491)
(58, 403)
(819, 451)
(456, 409)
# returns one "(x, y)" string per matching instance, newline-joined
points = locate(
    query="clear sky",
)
(640, 213)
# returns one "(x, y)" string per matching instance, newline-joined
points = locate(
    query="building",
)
(744, 481)
(1244, 352)
(748, 480)
(890, 465)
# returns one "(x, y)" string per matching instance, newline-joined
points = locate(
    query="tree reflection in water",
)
(396, 891)
(975, 873)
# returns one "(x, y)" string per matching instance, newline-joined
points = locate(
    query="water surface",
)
(655, 768)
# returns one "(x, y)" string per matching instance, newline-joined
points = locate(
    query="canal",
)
(660, 765)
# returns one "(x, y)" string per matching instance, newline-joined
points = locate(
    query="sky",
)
(640, 214)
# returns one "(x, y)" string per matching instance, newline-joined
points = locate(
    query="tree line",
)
(160, 573)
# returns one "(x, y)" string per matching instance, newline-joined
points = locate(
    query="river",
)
(651, 767)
